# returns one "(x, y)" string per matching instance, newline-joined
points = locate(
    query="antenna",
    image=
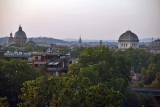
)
(152, 46)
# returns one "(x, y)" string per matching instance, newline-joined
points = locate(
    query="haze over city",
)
(92, 19)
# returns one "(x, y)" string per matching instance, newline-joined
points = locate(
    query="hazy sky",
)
(92, 19)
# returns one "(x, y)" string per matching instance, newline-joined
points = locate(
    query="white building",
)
(128, 40)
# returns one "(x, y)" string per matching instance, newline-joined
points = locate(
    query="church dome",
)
(128, 36)
(20, 34)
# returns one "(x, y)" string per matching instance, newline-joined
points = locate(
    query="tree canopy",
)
(100, 79)
(12, 75)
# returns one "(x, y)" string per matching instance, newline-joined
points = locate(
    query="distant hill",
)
(3, 40)
(70, 39)
(38, 40)
(141, 40)
(47, 40)
(87, 40)
(148, 39)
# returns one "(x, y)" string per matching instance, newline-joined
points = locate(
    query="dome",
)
(20, 34)
(128, 36)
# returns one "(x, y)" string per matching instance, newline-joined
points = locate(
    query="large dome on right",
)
(128, 36)
(128, 40)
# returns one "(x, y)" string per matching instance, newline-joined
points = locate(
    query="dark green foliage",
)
(100, 79)
(138, 58)
(12, 75)
(149, 75)
(105, 63)
(76, 51)
(156, 61)
(132, 99)
(156, 82)
(68, 92)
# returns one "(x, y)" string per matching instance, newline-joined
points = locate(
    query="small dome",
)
(20, 34)
(128, 36)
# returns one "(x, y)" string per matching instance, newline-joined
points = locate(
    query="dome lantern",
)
(20, 28)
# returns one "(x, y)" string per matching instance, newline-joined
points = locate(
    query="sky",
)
(92, 19)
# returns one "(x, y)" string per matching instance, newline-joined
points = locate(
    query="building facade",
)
(154, 46)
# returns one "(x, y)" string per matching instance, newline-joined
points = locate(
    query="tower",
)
(100, 42)
(10, 39)
(80, 41)
(11, 34)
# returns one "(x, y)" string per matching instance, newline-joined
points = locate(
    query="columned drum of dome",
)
(20, 36)
(128, 40)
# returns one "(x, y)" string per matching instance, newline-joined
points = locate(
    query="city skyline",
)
(92, 19)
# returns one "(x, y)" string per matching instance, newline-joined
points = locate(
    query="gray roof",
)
(128, 36)
(20, 34)
(158, 40)
(155, 45)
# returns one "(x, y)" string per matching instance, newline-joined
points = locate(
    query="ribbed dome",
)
(128, 36)
(20, 34)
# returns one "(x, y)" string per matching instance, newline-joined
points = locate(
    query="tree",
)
(149, 75)
(156, 61)
(76, 51)
(100, 42)
(3, 102)
(12, 75)
(100, 79)
(105, 63)
(133, 99)
(68, 91)
(139, 58)
(156, 82)
(35, 93)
